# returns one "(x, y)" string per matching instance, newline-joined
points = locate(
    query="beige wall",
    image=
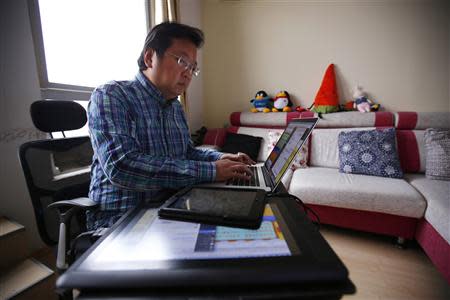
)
(397, 50)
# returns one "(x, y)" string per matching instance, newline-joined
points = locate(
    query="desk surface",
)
(311, 268)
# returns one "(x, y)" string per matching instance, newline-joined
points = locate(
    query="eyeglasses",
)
(183, 62)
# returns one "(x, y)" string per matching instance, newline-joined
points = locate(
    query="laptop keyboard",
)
(254, 180)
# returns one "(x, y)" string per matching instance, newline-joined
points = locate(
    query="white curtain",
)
(163, 10)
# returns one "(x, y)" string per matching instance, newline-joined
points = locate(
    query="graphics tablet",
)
(146, 253)
(227, 207)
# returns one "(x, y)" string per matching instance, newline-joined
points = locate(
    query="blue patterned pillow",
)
(369, 152)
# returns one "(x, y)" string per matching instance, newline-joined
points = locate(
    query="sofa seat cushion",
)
(436, 193)
(326, 186)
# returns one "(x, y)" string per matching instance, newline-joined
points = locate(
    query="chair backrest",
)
(57, 115)
(56, 169)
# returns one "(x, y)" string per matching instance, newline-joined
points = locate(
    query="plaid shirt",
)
(141, 147)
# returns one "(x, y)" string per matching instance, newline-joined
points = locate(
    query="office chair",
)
(57, 173)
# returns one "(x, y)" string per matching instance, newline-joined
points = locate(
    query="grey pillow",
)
(437, 146)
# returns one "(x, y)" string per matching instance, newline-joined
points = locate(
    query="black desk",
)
(312, 270)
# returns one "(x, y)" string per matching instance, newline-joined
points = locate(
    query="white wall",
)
(19, 87)
(398, 50)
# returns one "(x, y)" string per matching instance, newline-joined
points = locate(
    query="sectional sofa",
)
(412, 207)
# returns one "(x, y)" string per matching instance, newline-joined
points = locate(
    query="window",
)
(81, 44)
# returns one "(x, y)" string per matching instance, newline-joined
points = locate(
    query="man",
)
(139, 133)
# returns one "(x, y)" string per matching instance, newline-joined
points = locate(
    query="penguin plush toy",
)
(282, 102)
(262, 102)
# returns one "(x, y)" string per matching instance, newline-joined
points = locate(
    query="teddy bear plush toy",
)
(282, 102)
(361, 102)
(261, 103)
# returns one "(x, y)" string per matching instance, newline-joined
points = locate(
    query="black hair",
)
(161, 37)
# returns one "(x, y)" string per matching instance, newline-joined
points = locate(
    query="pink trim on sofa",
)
(235, 119)
(262, 126)
(233, 129)
(406, 120)
(366, 220)
(299, 115)
(292, 115)
(307, 114)
(265, 126)
(435, 246)
(384, 119)
(408, 151)
(215, 136)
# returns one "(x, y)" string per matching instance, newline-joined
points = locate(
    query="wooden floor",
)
(377, 267)
(380, 270)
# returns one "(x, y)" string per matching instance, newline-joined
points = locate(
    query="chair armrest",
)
(82, 202)
(66, 210)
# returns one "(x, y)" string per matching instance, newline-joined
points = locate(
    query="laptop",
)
(268, 175)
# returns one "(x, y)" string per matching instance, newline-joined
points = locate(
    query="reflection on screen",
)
(148, 242)
(216, 202)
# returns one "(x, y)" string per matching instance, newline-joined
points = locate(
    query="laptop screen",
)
(287, 147)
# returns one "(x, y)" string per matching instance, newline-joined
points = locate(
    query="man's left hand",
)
(240, 157)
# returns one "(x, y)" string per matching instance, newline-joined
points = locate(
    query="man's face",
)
(165, 73)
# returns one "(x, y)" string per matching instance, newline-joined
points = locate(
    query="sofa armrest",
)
(215, 137)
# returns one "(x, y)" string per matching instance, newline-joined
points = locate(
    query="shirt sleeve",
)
(111, 129)
(203, 154)
(195, 153)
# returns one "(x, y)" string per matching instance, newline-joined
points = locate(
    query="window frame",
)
(53, 90)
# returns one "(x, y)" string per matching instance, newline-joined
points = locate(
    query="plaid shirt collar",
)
(153, 90)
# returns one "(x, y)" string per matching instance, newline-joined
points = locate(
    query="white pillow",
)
(300, 160)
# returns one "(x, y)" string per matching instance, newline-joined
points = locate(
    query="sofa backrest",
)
(410, 129)
(260, 124)
(333, 120)
(421, 120)
(256, 124)
(323, 145)
(266, 120)
(410, 132)
(323, 150)
(217, 137)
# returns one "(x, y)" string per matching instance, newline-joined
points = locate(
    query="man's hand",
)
(227, 169)
(240, 157)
